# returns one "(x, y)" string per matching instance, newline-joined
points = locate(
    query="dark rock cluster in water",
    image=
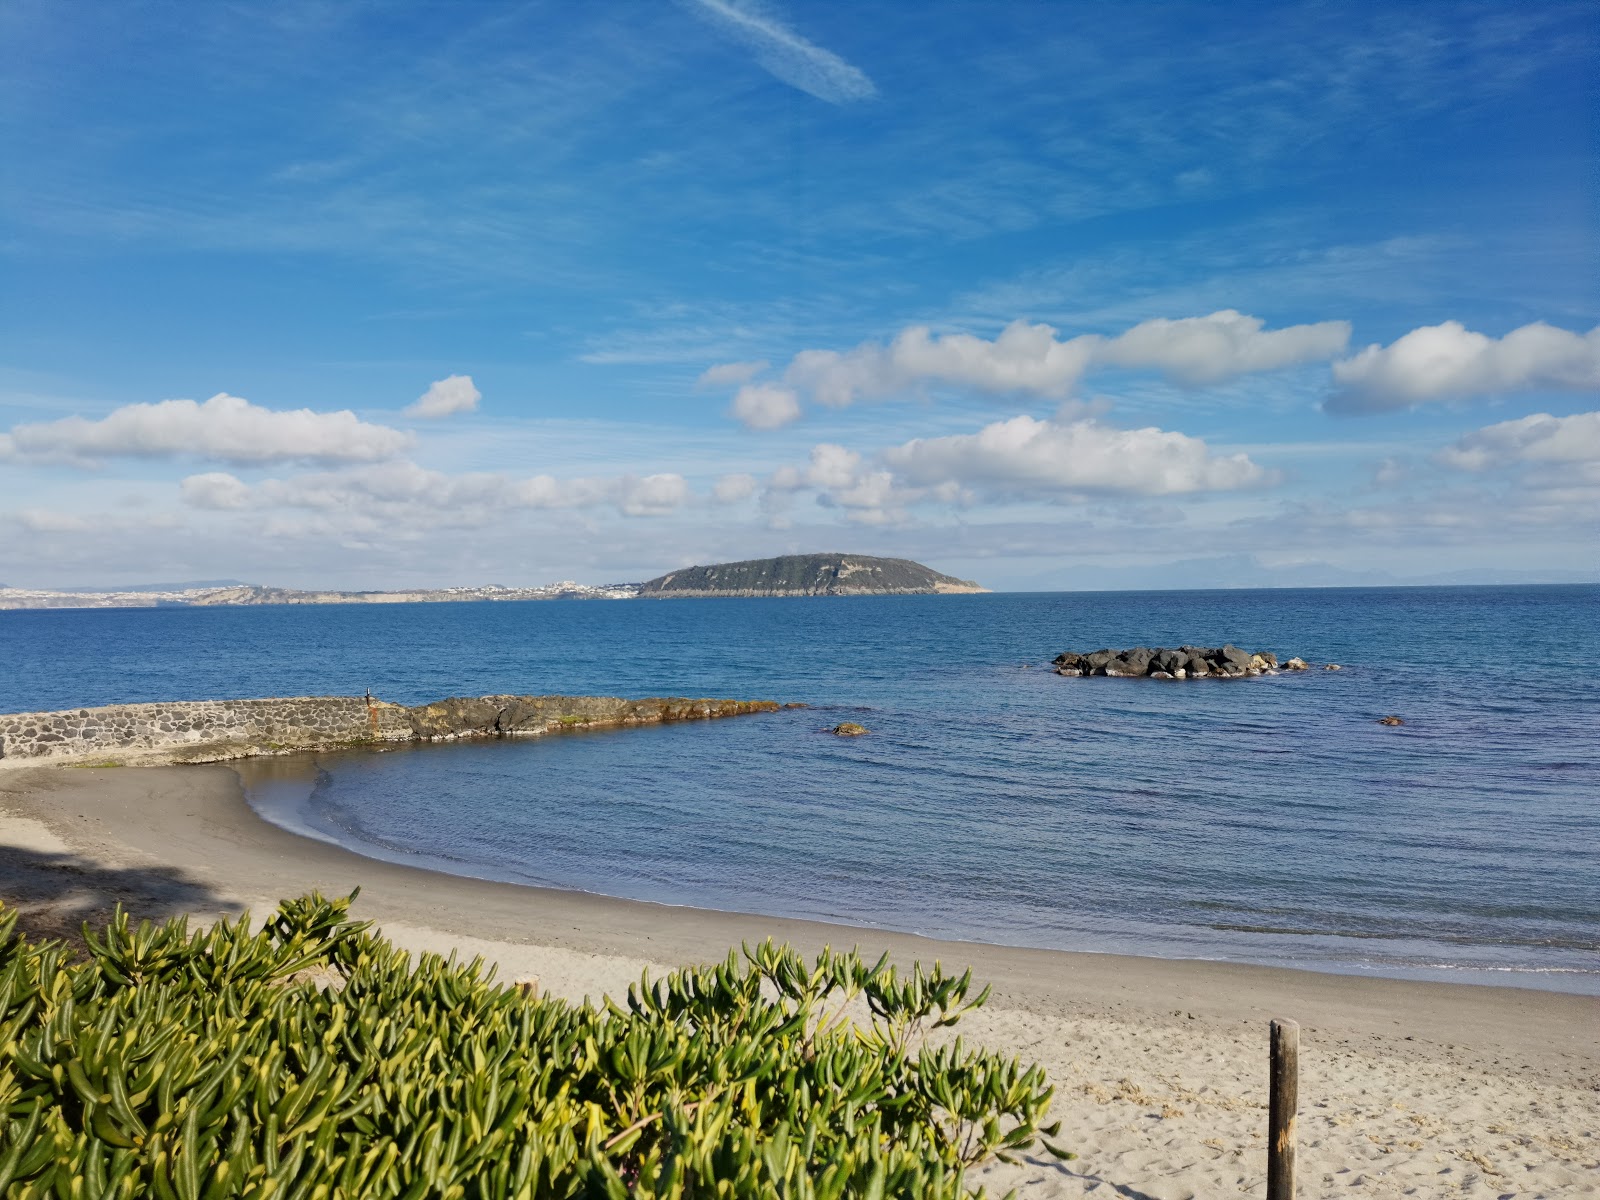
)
(1186, 662)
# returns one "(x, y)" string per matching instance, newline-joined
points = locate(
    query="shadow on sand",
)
(55, 893)
(1091, 1182)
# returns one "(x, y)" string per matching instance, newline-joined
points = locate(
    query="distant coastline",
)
(788, 575)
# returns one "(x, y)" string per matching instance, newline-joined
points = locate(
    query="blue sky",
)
(1050, 295)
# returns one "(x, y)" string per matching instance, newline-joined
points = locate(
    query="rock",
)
(1097, 662)
(1333, 667)
(1169, 661)
(1391, 719)
(848, 729)
(456, 717)
(1186, 662)
(797, 704)
(1133, 663)
(1233, 656)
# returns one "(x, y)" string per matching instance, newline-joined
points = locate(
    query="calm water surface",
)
(1268, 820)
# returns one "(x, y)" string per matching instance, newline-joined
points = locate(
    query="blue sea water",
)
(1267, 820)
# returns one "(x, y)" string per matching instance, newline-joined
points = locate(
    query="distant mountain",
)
(808, 575)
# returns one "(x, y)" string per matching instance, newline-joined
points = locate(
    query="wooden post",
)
(1283, 1102)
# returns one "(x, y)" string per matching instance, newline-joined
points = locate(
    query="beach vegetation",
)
(311, 1058)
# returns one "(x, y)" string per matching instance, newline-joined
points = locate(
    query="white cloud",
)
(1197, 351)
(226, 428)
(44, 520)
(868, 495)
(1028, 456)
(452, 394)
(787, 55)
(731, 374)
(407, 494)
(734, 489)
(1537, 438)
(1449, 361)
(1030, 358)
(765, 406)
(652, 496)
(214, 490)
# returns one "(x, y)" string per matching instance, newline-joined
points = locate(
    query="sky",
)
(340, 293)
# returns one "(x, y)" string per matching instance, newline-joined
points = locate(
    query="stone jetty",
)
(1185, 662)
(196, 731)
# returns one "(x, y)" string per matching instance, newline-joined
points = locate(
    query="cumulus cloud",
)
(1024, 455)
(765, 406)
(1023, 358)
(731, 374)
(1449, 361)
(452, 394)
(734, 489)
(1537, 438)
(652, 496)
(1197, 351)
(785, 54)
(225, 428)
(868, 494)
(1032, 359)
(214, 490)
(402, 491)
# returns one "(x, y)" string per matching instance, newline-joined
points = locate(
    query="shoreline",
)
(1159, 1064)
(277, 790)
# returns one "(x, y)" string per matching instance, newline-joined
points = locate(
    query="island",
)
(809, 575)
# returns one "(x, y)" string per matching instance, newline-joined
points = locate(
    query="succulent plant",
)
(312, 1059)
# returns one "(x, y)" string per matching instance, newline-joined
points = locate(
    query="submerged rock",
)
(1391, 719)
(848, 729)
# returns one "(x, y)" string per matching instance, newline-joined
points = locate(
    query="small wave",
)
(1294, 931)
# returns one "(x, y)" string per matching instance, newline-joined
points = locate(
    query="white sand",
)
(1413, 1089)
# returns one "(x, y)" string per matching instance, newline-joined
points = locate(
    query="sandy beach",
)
(1407, 1088)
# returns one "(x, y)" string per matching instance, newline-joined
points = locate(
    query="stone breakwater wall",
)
(1185, 662)
(219, 730)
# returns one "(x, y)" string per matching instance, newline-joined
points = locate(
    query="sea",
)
(1268, 820)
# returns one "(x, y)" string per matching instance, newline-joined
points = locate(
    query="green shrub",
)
(314, 1060)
